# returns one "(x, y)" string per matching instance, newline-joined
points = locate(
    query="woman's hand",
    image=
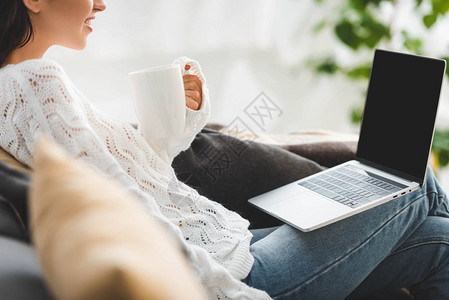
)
(194, 90)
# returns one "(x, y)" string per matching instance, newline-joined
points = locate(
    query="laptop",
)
(392, 153)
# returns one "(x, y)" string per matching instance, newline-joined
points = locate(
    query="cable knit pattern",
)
(36, 97)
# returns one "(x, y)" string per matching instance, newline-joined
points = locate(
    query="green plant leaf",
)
(359, 72)
(366, 31)
(441, 140)
(444, 7)
(361, 5)
(440, 146)
(414, 45)
(358, 4)
(327, 66)
(440, 7)
(443, 158)
(375, 30)
(429, 20)
(356, 115)
(319, 26)
(345, 32)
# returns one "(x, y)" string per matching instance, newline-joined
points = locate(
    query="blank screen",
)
(400, 112)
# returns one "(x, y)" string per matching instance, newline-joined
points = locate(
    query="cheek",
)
(74, 13)
(63, 23)
(67, 29)
(68, 32)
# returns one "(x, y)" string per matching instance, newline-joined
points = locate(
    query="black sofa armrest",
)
(326, 148)
(20, 274)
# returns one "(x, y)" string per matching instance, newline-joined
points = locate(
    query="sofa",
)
(251, 166)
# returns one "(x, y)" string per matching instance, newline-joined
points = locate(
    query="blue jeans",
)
(401, 243)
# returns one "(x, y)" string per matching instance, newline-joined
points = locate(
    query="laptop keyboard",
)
(351, 188)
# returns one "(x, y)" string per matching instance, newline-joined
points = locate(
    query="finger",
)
(194, 78)
(192, 104)
(195, 95)
(192, 85)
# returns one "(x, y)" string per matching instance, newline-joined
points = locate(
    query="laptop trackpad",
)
(307, 209)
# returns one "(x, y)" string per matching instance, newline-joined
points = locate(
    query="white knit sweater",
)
(36, 96)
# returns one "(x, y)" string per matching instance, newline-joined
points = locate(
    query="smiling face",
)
(65, 22)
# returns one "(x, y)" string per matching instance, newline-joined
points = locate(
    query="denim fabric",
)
(402, 243)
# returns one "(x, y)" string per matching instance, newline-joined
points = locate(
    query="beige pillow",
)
(94, 241)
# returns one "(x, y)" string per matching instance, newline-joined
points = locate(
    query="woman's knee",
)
(434, 229)
(438, 201)
(431, 182)
(433, 237)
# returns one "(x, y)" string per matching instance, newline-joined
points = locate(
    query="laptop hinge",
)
(391, 171)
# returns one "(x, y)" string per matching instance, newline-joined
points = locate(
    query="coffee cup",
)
(159, 101)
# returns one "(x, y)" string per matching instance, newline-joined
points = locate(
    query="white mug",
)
(159, 101)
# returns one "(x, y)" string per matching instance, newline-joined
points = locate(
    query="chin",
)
(81, 47)
(77, 46)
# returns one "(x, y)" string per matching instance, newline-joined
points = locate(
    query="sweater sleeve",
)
(195, 119)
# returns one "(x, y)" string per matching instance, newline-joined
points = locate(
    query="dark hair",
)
(16, 28)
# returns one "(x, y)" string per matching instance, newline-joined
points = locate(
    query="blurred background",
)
(310, 57)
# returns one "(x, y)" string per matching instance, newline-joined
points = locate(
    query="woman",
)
(402, 243)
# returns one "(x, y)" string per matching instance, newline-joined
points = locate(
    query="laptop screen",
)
(400, 111)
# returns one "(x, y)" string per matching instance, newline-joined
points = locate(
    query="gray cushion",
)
(10, 225)
(20, 274)
(14, 188)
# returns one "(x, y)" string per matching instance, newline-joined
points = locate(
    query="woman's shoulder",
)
(41, 75)
(34, 68)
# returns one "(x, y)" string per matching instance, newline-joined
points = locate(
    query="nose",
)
(99, 5)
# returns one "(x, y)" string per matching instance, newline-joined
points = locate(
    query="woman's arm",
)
(195, 119)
